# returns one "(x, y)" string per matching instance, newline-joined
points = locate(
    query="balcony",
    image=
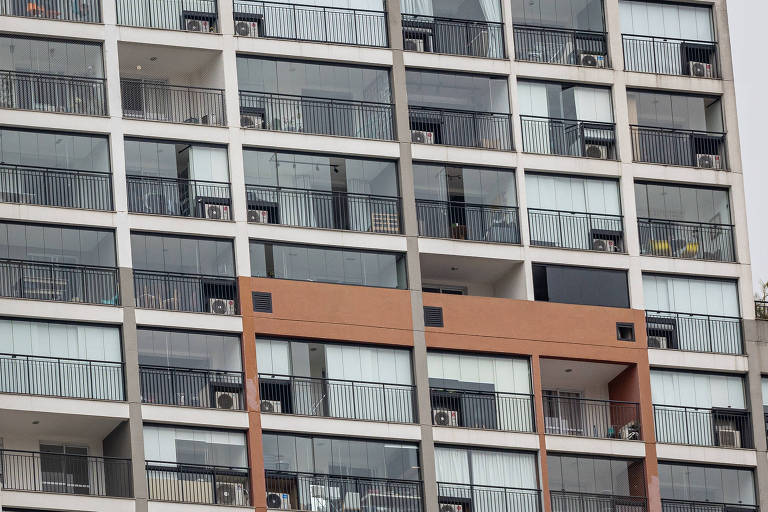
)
(298, 22)
(689, 240)
(61, 377)
(490, 498)
(561, 46)
(192, 293)
(704, 506)
(761, 309)
(695, 426)
(453, 36)
(486, 410)
(464, 128)
(195, 483)
(671, 146)
(464, 221)
(201, 199)
(599, 419)
(195, 16)
(576, 230)
(312, 491)
(44, 92)
(319, 116)
(192, 387)
(694, 332)
(87, 284)
(46, 186)
(66, 474)
(563, 501)
(153, 101)
(568, 137)
(84, 11)
(323, 209)
(670, 56)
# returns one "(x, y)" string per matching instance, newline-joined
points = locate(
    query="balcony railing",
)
(485, 410)
(670, 56)
(728, 428)
(85, 11)
(185, 292)
(20, 279)
(453, 36)
(486, 130)
(46, 186)
(153, 101)
(197, 483)
(298, 22)
(190, 15)
(320, 116)
(561, 46)
(692, 240)
(761, 309)
(563, 501)
(694, 332)
(53, 93)
(576, 230)
(312, 491)
(569, 137)
(323, 209)
(583, 417)
(336, 398)
(179, 197)
(61, 376)
(192, 387)
(65, 473)
(704, 506)
(489, 498)
(671, 146)
(465, 221)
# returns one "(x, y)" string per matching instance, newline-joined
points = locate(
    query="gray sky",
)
(746, 20)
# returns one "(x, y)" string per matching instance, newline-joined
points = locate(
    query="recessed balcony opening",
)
(585, 399)
(172, 84)
(467, 275)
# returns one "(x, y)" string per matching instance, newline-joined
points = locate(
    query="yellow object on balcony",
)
(660, 247)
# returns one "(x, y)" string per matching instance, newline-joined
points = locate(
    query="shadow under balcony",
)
(465, 221)
(672, 146)
(561, 46)
(179, 197)
(44, 92)
(84, 11)
(192, 293)
(46, 186)
(464, 128)
(192, 387)
(704, 506)
(192, 16)
(694, 332)
(154, 101)
(488, 498)
(569, 137)
(473, 38)
(688, 240)
(195, 483)
(486, 410)
(563, 501)
(670, 56)
(576, 230)
(696, 426)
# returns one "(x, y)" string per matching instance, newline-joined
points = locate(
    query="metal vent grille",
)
(262, 302)
(433, 316)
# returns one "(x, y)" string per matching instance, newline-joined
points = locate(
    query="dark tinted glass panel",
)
(457, 91)
(717, 484)
(183, 349)
(676, 202)
(185, 255)
(593, 475)
(677, 111)
(574, 14)
(479, 10)
(581, 285)
(79, 152)
(52, 56)
(465, 184)
(57, 244)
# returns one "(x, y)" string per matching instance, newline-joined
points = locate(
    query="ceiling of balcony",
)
(21, 424)
(583, 375)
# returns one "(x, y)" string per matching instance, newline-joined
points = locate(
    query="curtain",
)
(423, 7)
(492, 11)
(451, 465)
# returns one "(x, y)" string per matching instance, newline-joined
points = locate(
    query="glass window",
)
(571, 14)
(52, 56)
(581, 285)
(457, 91)
(56, 339)
(573, 194)
(176, 160)
(184, 255)
(54, 150)
(565, 101)
(683, 203)
(57, 244)
(472, 185)
(675, 111)
(195, 446)
(716, 484)
(456, 9)
(667, 20)
(596, 475)
(189, 349)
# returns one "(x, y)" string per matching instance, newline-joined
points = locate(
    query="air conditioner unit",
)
(271, 406)
(278, 501)
(227, 400)
(729, 437)
(422, 137)
(445, 418)
(252, 120)
(596, 151)
(657, 341)
(414, 45)
(258, 216)
(194, 25)
(221, 306)
(705, 161)
(700, 69)
(232, 493)
(450, 507)
(216, 211)
(601, 244)
(247, 28)
(592, 60)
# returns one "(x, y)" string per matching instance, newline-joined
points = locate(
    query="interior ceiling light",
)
(138, 67)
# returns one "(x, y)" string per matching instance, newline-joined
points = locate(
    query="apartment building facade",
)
(369, 255)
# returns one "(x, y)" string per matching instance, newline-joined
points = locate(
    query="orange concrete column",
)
(538, 401)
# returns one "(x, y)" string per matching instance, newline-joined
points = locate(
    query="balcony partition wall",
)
(689, 487)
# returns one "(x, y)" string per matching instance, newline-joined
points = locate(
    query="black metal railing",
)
(761, 309)
(584, 417)
(671, 146)
(198, 483)
(682, 239)
(337, 398)
(85, 11)
(568, 137)
(153, 101)
(46, 186)
(485, 410)
(53, 93)
(704, 506)
(61, 376)
(561, 46)
(298, 22)
(473, 38)
(179, 197)
(65, 473)
(185, 292)
(190, 15)
(488, 497)
(487, 130)
(576, 230)
(670, 56)
(21, 279)
(696, 426)
(564, 501)
(192, 387)
(465, 221)
(321, 116)
(694, 332)
(308, 491)
(323, 209)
